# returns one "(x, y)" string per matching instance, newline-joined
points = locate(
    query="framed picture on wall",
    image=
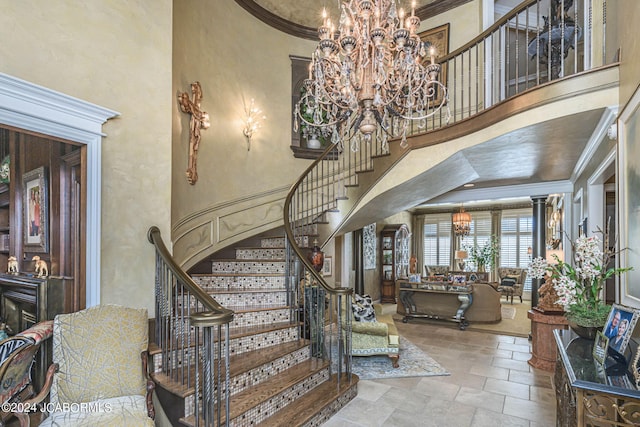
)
(437, 38)
(327, 267)
(35, 208)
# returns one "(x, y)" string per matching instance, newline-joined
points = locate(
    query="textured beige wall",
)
(116, 54)
(235, 58)
(628, 16)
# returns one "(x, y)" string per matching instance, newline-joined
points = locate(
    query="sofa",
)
(375, 338)
(485, 306)
(513, 287)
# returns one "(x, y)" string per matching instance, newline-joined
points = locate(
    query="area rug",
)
(413, 363)
(508, 312)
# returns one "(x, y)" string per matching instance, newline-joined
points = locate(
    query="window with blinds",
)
(515, 239)
(437, 239)
(480, 233)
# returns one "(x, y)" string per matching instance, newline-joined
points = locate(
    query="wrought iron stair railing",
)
(192, 330)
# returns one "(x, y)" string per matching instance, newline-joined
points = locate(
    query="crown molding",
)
(289, 27)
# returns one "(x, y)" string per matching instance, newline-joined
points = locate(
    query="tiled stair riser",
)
(248, 267)
(278, 242)
(330, 410)
(262, 253)
(175, 358)
(260, 374)
(259, 413)
(264, 318)
(251, 299)
(218, 283)
(255, 342)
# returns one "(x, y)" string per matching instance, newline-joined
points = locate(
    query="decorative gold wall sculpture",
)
(199, 120)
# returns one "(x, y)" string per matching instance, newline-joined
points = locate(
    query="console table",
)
(585, 394)
(435, 300)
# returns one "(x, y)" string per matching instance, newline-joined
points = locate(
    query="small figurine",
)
(5, 330)
(41, 266)
(12, 265)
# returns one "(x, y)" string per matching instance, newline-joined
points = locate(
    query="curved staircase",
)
(239, 345)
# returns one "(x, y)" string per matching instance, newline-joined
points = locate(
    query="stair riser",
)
(248, 267)
(246, 301)
(255, 342)
(263, 253)
(251, 299)
(330, 410)
(218, 283)
(237, 346)
(260, 374)
(256, 318)
(278, 242)
(259, 413)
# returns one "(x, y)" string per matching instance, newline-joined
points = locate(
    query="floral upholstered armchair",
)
(377, 336)
(511, 281)
(99, 360)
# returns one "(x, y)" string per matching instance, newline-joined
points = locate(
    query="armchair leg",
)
(394, 360)
(520, 299)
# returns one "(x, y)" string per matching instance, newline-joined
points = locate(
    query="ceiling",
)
(541, 153)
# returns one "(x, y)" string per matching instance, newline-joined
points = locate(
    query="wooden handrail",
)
(219, 315)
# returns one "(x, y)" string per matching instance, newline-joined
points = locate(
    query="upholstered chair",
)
(17, 356)
(375, 338)
(99, 372)
(514, 285)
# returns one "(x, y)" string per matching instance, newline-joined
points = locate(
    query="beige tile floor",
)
(491, 384)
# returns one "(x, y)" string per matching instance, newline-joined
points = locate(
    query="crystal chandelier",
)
(371, 78)
(461, 222)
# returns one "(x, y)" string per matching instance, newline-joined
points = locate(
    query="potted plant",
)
(484, 257)
(579, 285)
(310, 112)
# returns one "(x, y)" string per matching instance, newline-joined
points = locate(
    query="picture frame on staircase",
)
(327, 267)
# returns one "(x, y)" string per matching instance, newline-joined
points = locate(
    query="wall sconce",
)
(252, 122)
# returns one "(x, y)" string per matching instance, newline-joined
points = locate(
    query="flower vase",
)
(587, 332)
(316, 257)
(481, 268)
(313, 142)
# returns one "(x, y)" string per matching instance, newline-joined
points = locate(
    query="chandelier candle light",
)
(371, 78)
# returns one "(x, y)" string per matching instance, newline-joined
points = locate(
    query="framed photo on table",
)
(35, 208)
(600, 347)
(619, 326)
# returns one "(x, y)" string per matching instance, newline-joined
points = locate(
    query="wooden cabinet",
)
(588, 394)
(26, 300)
(5, 213)
(394, 250)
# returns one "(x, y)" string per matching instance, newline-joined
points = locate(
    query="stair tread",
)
(242, 331)
(245, 400)
(238, 365)
(311, 403)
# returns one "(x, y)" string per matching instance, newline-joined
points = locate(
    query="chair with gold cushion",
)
(375, 338)
(99, 374)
